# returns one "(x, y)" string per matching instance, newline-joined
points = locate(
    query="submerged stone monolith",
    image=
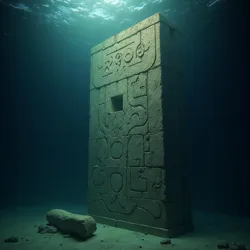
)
(137, 145)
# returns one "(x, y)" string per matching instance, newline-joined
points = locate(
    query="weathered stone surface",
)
(81, 225)
(137, 154)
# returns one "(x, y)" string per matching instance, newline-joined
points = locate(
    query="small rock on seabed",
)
(46, 229)
(233, 246)
(11, 239)
(166, 242)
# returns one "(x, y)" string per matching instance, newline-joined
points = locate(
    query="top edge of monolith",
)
(158, 17)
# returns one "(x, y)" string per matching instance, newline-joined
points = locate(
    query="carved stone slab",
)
(137, 156)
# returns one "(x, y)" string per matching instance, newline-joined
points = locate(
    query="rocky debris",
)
(11, 239)
(223, 245)
(233, 246)
(166, 242)
(46, 229)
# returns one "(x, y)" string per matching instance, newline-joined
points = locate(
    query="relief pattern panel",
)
(127, 172)
(128, 57)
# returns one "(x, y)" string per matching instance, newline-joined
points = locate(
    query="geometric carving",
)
(135, 151)
(131, 56)
(136, 158)
(155, 156)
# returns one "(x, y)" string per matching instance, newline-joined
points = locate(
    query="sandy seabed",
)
(210, 230)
